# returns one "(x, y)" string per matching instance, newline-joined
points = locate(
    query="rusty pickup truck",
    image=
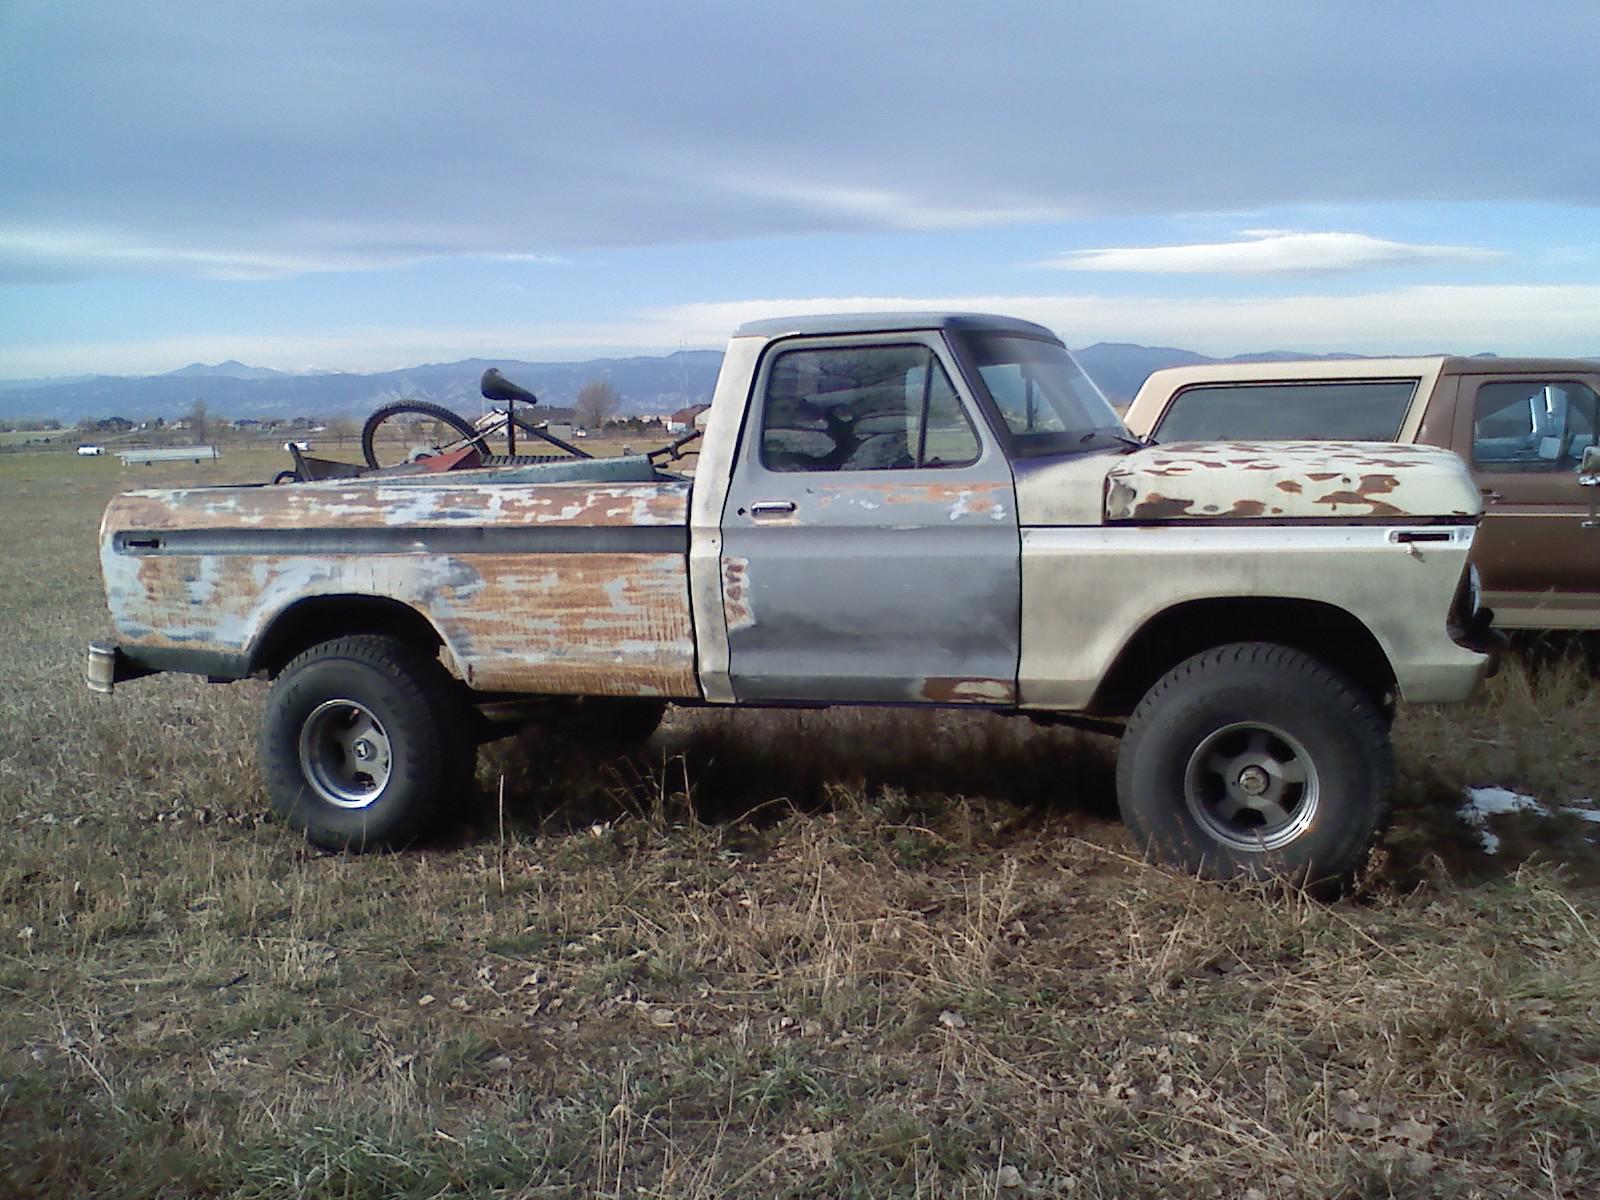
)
(904, 509)
(1522, 425)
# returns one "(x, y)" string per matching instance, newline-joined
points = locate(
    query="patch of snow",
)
(1481, 803)
(1492, 801)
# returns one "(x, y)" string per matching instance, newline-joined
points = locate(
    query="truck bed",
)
(576, 587)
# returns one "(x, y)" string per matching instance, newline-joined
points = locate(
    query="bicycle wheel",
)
(411, 429)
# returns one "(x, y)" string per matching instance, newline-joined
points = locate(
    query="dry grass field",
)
(825, 955)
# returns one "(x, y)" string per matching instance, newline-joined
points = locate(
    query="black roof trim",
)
(890, 322)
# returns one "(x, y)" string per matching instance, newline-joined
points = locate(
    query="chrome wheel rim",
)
(345, 753)
(1252, 786)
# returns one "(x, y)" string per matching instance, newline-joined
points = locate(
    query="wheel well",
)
(321, 618)
(1323, 631)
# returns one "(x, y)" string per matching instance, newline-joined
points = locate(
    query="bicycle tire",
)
(412, 408)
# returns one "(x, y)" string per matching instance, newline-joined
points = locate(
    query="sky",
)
(368, 184)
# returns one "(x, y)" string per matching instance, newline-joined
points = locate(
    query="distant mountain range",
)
(233, 390)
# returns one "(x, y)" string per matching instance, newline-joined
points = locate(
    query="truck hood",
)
(1230, 481)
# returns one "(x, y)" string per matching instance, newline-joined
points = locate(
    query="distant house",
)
(686, 419)
(246, 423)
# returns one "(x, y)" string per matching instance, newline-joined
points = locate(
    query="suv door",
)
(1524, 438)
(870, 547)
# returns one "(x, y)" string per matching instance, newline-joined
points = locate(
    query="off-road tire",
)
(386, 694)
(1254, 715)
(409, 408)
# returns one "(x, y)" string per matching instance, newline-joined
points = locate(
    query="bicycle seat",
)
(496, 386)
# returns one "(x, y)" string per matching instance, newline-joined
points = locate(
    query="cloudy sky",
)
(362, 184)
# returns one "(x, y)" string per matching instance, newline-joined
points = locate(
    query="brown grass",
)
(814, 954)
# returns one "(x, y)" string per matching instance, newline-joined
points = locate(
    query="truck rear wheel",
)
(362, 738)
(1256, 760)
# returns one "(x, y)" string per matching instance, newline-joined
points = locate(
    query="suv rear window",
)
(1338, 410)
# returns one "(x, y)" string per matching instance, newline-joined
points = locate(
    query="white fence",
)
(132, 458)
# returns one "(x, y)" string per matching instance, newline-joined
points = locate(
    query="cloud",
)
(237, 129)
(1504, 319)
(1431, 319)
(1266, 251)
(887, 208)
(44, 253)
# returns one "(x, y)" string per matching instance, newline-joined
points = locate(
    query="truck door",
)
(1524, 438)
(870, 548)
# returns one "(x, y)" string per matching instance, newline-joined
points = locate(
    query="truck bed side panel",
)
(533, 588)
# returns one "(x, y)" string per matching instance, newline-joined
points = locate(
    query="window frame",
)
(1553, 466)
(1014, 445)
(752, 435)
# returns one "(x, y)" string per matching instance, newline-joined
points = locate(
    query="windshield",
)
(1048, 404)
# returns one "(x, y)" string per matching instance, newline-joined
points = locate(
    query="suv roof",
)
(1361, 368)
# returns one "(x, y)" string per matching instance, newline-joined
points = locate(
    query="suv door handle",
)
(772, 508)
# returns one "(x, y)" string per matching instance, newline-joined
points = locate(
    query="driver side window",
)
(1534, 425)
(870, 408)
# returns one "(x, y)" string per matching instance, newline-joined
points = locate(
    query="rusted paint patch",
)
(594, 624)
(1156, 507)
(957, 500)
(1304, 480)
(968, 691)
(736, 609)
(1371, 506)
(357, 504)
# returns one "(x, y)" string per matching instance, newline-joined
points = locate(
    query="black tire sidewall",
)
(1337, 727)
(419, 751)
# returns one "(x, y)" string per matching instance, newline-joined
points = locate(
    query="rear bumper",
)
(109, 664)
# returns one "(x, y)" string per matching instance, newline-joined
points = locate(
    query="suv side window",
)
(1533, 425)
(868, 408)
(1341, 410)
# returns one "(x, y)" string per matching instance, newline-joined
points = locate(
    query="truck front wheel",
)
(1256, 760)
(361, 740)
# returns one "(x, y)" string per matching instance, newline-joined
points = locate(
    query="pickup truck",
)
(923, 509)
(1521, 424)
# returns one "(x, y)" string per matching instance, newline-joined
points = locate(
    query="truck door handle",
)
(1489, 494)
(772, 508)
